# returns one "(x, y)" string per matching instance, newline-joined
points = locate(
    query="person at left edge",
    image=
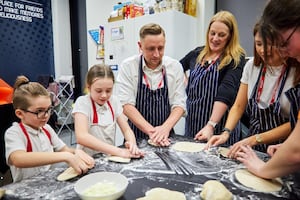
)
(151, 88)
(214, 80)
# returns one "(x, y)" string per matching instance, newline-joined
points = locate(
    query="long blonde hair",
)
(233, 49)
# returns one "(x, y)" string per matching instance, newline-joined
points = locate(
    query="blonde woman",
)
(214, 82)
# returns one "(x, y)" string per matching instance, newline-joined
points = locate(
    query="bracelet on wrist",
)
(258, 138)
(213, 124)
(226, 130)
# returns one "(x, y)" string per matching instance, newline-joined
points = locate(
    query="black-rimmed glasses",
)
(285, 44)
(41, 113)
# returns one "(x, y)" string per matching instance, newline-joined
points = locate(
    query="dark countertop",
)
(151, 171)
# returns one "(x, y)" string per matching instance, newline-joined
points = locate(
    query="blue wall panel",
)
(26, 39)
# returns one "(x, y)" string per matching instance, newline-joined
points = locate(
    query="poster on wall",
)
(98, 37)
(26, 39)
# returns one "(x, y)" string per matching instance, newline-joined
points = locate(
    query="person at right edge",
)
(261, 94)
(214, 80)
(281, 23)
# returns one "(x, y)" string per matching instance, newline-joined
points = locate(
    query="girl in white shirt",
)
(96, 115)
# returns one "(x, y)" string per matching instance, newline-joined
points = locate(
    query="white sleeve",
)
(117, 106)
(14, 140)
(82, 105)
(127, 82)
(246, 71)
(177, 94)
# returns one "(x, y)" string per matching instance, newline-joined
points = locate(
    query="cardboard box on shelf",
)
(136, 11)
(133, 10)
(191, 7)
(113, 19)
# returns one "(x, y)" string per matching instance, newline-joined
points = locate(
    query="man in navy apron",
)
(151, 88)
(282, 17)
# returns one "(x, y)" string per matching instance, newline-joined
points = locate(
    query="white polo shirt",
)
(15, 140)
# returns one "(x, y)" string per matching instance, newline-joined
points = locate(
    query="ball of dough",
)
(215, 190)
(162, 194)
(153, 143)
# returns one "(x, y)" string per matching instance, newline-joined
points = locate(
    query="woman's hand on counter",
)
(205, 133)
(249, 141)
(217, 140)
(249, 158)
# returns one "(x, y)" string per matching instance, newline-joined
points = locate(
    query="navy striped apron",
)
(293, 96)
(201, 92)
(262, 120)
(153, 105)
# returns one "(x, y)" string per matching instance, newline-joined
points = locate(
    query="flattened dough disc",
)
(188, 146)
(263, 185)
(118, 159)
(67, 174)
(223, 151)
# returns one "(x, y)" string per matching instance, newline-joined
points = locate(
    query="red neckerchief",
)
(160, 82)
(29, 146)
(95, 116)
(261, 84)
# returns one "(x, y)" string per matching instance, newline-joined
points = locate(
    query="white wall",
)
(97, 14)
(61, 37)
(205, 10)
(99, 10)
